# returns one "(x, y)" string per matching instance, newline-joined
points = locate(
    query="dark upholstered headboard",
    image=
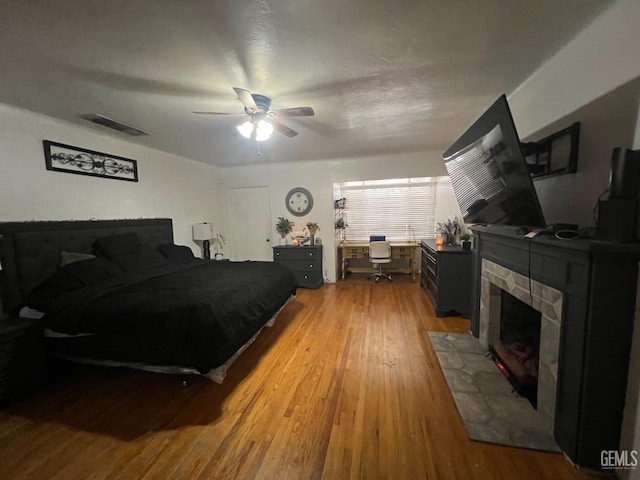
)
(30, 251)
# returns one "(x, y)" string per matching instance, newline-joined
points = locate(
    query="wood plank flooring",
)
(345, 385)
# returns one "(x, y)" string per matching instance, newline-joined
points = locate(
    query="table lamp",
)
(204, 232)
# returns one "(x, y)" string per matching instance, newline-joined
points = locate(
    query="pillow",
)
(176, 253)
(67, 258)
(144, 258)
(72, 277)
(93, 271)
(117, 245)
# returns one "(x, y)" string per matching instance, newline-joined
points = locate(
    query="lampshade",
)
(246, 129)
(203, 231)
(263, 131)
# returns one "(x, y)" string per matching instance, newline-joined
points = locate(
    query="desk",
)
(399, 251)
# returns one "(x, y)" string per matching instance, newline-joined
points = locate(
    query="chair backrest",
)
(379, 250)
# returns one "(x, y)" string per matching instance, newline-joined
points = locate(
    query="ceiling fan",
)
(262, 119)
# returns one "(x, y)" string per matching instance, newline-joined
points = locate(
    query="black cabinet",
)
(21, 358)
(305, 262)
(446, 276)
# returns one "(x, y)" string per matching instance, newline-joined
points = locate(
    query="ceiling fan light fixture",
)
(263, 131)
(246, 129)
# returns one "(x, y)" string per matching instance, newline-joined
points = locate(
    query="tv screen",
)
(489, 173)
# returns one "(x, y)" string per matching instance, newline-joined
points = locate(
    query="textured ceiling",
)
(382, 76)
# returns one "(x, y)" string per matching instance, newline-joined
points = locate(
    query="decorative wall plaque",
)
(65, 158)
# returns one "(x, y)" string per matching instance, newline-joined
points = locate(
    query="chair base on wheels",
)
(380, 274)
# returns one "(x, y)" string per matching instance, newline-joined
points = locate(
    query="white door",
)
(250, 223)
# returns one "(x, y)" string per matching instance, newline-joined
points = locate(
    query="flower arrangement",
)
(451, 229)
(284, 226)
(312, 227)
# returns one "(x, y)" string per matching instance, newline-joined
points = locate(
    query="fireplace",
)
(516, 313)
(517, 350)
(584, 291)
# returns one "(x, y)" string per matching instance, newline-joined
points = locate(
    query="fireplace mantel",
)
(597, 280)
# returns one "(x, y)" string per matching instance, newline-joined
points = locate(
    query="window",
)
(399, 209)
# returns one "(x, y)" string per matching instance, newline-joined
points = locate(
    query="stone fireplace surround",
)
(585, 290)
(543, 298)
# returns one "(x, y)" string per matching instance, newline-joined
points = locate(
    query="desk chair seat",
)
(379, 254)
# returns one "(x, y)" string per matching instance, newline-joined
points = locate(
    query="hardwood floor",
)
(344, 385)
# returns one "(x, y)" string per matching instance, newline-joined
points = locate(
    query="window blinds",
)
(400, 209)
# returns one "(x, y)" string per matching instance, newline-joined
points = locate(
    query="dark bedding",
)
(193, 314)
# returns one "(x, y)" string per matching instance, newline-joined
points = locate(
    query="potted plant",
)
(312, 228)
(450, 229)
(283, 227)
(465, 238)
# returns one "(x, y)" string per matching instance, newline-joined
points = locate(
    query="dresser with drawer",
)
(446, 276)
(305, 262)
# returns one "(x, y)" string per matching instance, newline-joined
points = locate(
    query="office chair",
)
(379, 253)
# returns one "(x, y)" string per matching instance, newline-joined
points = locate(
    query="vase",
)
(283, 241)
(466, 245)
(312, 239)
(450, 239)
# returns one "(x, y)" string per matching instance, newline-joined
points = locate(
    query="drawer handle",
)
(277, 254)
(311, 265)
(306, 277)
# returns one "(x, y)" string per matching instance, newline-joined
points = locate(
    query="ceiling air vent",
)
(108, 122)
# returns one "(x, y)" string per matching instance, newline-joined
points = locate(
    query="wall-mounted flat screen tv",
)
(489, 173)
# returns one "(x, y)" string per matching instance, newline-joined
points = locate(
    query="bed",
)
(119, 292)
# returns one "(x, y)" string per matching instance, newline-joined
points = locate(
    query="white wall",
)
(605, 123)
(599, 59)
(319, 176)
(585, 73)
(168, 186)
(594, 76)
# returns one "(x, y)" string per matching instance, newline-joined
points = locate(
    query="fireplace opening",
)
(517, 351)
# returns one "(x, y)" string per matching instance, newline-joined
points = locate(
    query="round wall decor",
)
(299, 201)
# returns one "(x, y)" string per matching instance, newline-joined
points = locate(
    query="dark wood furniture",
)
(22, 356)
(305, 262)
(598, 283)
(446, 276)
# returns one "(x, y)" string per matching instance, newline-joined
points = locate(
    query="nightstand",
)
(22, 357)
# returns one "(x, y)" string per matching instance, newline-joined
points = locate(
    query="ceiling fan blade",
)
(219, 113)
(283, 129)
(295, 112)
(246, 99)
